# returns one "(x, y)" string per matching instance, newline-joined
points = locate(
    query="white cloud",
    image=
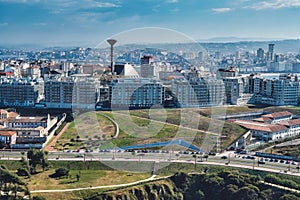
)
(172, 1)
(221, 10)
(274, 4)
(104, 5)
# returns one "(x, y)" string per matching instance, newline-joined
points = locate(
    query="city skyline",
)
(88, 22)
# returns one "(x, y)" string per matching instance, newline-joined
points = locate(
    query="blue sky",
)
(55, 22)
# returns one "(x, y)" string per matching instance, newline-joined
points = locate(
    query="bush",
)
(23, 172)
(60, 172)
(38, 198)
(276, 180)
(3, 167)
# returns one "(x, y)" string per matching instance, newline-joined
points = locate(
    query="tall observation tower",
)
(111, 42)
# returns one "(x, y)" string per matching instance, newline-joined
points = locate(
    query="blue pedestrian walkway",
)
(163, 144)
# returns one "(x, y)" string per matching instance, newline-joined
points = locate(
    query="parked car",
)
(261, 162)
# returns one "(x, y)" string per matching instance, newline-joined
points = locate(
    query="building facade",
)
(18, 92)
(198, 92)
(135, 93)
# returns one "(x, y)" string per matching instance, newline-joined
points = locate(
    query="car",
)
(281, 161)
(79, 156)
(261, 162)
(271, 160)
(224, 157)
(243, 152)
(275, 160)
(250, 157)
(211, 153)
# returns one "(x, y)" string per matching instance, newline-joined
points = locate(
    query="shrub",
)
(23, 172)
(60, 172)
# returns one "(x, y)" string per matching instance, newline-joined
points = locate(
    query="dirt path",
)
(51, 145)
(152, 178)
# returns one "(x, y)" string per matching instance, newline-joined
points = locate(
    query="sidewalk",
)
(51, 145)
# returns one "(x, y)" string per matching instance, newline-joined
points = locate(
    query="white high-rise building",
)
(135, 93)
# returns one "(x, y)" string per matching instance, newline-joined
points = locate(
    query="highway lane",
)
(176, 157)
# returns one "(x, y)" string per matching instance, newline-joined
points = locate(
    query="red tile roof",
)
(7, 133)
(271, 128)
(13, 114)
(262, 119)
(278, 114)
(292, 122)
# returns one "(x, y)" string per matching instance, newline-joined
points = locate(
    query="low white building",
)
(272, 127)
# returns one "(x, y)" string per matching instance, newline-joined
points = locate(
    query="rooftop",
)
(290, 122)
(270, 128)
(262, 119)
(7, 133)
(28, 119)
(278, 114)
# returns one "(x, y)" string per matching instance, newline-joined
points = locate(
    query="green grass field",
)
(88, 128)
(146, 126)
(42, 181)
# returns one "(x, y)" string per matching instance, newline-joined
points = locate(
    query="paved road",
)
(232, 159)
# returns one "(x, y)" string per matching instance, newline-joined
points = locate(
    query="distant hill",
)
(224, 45)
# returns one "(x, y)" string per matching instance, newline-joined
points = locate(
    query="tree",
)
(10, 184)
(200, 195)
(288, 197)
(3, 145)
(38, 198)
(205, 156)
(78, 177)
(246, 193)
(195, 160)
(23, 172)
(37, 157)
(25, 163)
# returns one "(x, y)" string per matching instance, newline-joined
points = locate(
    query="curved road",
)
(115, 124)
